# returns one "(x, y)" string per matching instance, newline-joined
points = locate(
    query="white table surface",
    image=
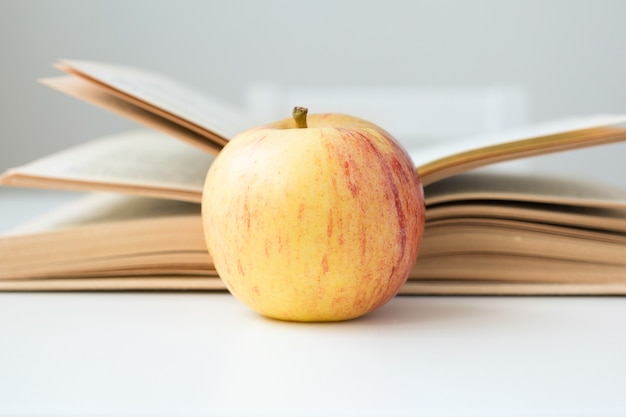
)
(205, 354)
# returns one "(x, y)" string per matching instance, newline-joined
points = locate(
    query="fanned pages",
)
(138, 162)
(472, 153)
(532, 188)
(179, 104)
(505, 246)
(100, 96)
(109, 235)
(164, 97)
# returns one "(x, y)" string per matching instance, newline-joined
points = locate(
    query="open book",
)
(139, 227)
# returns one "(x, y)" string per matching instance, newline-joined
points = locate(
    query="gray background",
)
(569, 55)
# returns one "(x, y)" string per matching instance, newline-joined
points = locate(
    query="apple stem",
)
(299, 115)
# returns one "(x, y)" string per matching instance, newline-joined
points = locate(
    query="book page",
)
(610, 220)
(100, 208)
(165, 95)
(436, 162)
(484, 287)
(474, 268)
(118, 283)
(488, 237)
(484, 249)
(101, 97)
(524, 187)
(106, 234)
(139, 162)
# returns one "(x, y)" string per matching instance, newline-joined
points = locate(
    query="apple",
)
(313, 218)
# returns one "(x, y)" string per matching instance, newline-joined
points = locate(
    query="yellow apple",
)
(313, 219)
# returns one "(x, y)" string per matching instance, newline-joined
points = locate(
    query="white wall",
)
(569, 54)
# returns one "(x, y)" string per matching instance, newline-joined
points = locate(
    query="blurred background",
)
(552, 58)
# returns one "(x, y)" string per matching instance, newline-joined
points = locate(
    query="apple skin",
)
(321, 223)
